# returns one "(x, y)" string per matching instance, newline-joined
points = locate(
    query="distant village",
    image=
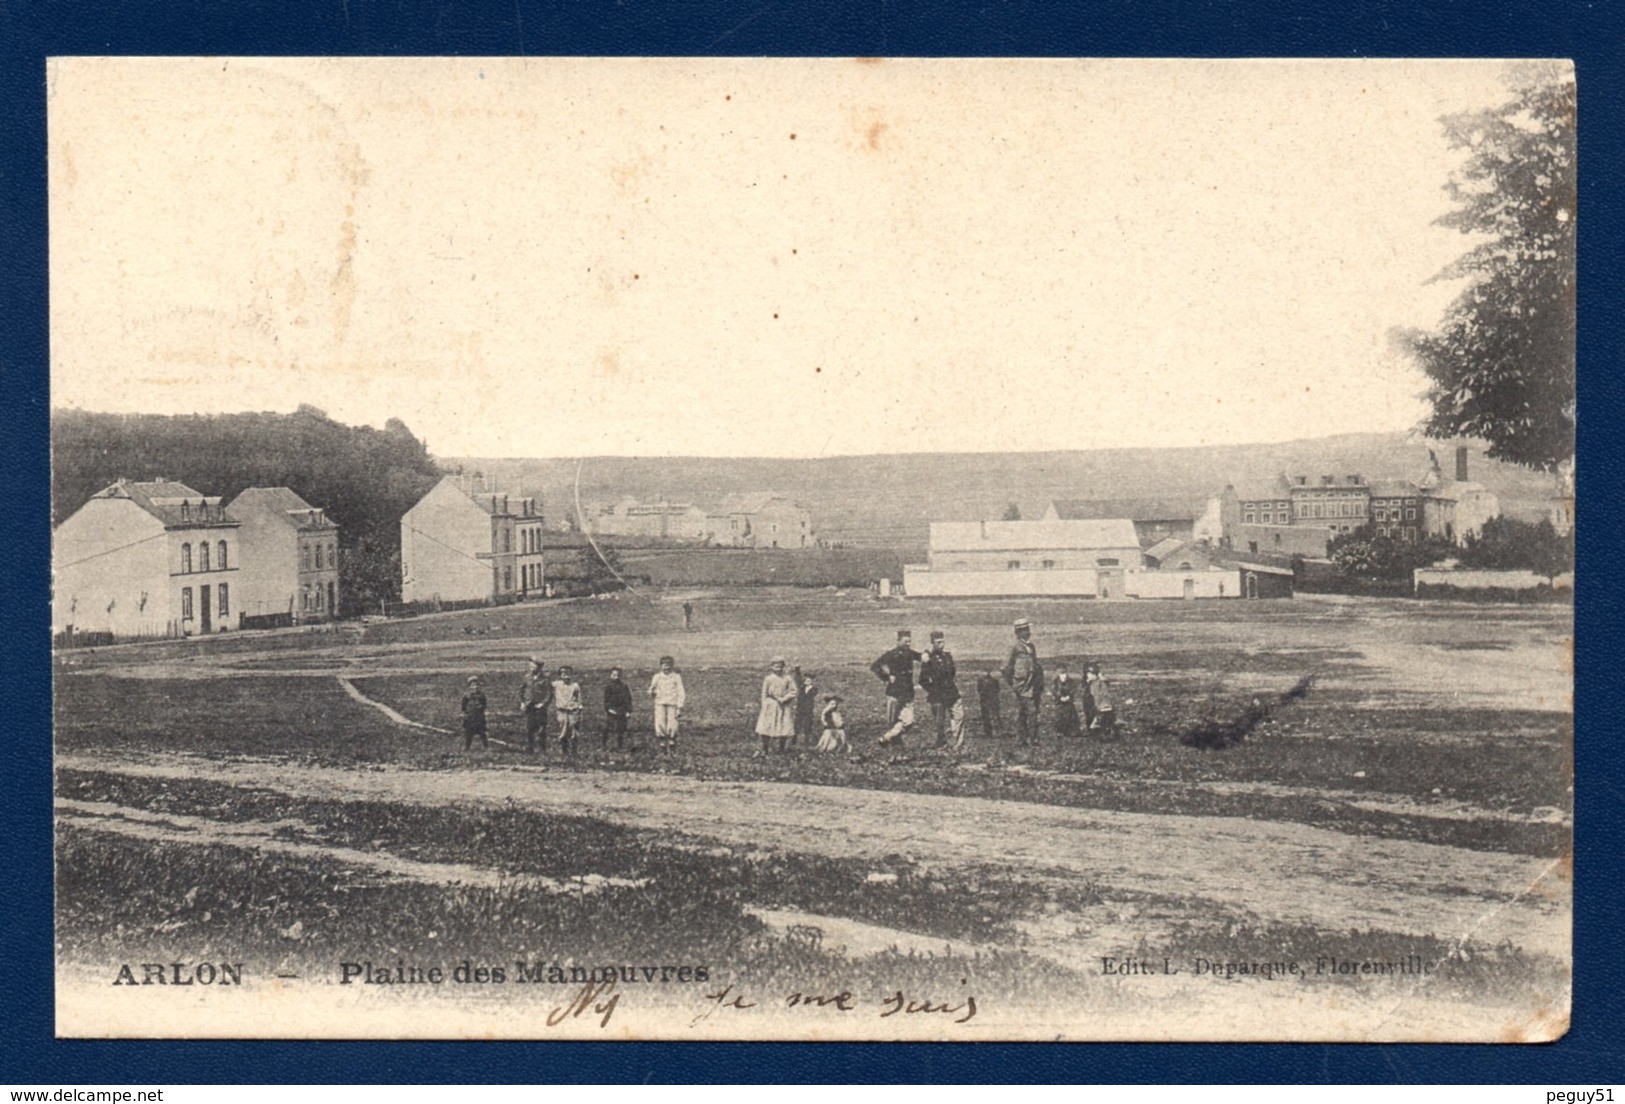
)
(162, 559)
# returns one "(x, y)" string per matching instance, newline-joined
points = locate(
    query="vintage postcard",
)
(812, 549)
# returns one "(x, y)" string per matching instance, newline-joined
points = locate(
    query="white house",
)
(460, 545)
(146, 559)
(290, 557)
(998, 558)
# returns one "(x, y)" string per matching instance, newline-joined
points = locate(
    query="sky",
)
(747, 257)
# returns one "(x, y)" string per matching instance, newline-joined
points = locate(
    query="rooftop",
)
(283, 503)
(175, 504)
(1135, 509)
(998, 536)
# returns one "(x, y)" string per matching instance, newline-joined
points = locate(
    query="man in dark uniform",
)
(896, 670)
(535, 702)
(1026, 678)
(937, 679)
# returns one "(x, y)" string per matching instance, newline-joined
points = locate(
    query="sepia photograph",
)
(812, 549)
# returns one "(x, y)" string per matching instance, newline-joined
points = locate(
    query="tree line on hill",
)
(364, 478)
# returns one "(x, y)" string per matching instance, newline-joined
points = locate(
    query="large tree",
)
(1502, 360)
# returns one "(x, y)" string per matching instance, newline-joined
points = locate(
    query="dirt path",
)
(1280, 872)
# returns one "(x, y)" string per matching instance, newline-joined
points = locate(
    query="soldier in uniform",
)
(938, 680)
(1026, 678)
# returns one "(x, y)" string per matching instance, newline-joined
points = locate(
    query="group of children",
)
(789, 705)
(1094, 694)
(559, 700)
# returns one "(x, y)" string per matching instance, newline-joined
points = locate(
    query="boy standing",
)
(617, 708)
(1105, 708)
(666, 688)
(535, 699)
(987, 695)
(567, 703)
(474, 714)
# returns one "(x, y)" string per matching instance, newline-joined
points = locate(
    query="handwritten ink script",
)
(960, 1010)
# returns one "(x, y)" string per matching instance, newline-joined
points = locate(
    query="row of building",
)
(158, 558)
(759, 520)
(1226, 545)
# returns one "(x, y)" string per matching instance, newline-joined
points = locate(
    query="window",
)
(186, 561)
(318, 590)
(1048, 564)
(507, 578)
(186, 603)
(1252, 546)
(223, 562)
(1382, 530)
(1013, 565)
(1184, 565)
(225, 600)
(1109, 561)
(307, 557)
(1410, 515)
(1249, 517)
(332, 556)
(203, 555)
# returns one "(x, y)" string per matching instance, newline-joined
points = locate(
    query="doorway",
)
(1190, 588)
(203, 609)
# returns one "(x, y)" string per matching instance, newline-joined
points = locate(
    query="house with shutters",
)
(145, 560)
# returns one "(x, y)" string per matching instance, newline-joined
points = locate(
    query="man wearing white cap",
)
(1026, 678)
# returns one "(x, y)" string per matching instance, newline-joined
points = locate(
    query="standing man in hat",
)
(535, 699)
(896, 670)
(1026, 678)
(937, 679)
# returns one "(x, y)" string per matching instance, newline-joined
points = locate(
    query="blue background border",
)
(29, 32)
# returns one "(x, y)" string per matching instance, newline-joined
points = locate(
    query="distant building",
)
(289, 559)
(760, 520)
(146, 559)
(1396, 509)
(1175, 554)
(1454, 508)
(989, 558)
(460, 545)
(1155, 519)
(674, 521)
(1261, 580)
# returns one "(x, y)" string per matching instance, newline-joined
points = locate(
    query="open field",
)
(1415, 802)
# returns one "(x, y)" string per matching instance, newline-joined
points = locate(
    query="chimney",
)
(984, 528)
(1461, 463)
